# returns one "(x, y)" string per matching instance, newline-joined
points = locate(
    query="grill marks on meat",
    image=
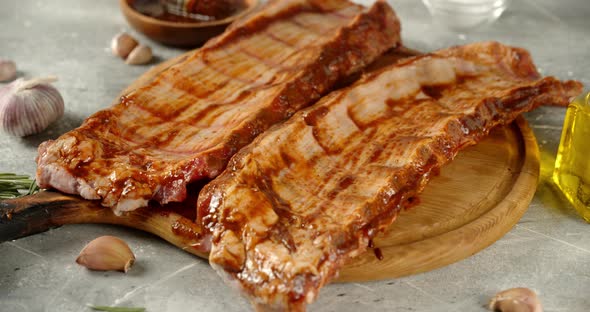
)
(188, 122)
(309, 194)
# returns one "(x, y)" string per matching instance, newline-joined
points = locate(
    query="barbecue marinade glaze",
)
(307, 195)
(186, 123)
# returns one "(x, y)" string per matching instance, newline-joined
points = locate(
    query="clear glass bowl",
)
(464, 15)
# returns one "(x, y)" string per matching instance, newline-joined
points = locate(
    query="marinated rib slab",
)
(307, 195)
(188, 122)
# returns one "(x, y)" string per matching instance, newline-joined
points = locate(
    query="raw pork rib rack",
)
(186, 123)
(308, 195)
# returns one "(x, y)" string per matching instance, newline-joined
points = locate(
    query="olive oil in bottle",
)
(572, 165)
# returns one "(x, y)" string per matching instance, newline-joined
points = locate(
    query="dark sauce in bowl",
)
(189, 11)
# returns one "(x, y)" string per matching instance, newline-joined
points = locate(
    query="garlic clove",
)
(29, 106)
(142, 54)
(107, 253)
(122, 44)
(7, 70)
(516, 300)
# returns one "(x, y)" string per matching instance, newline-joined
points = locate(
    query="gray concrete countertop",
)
(548, 250)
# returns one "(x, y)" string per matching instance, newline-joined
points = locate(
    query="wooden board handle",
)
(36, 213)
(40, 212)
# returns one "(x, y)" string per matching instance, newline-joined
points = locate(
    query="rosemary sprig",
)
(15, 185)
(116, 309)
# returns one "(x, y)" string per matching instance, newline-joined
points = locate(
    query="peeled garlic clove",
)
(7, 70)
(142, 54)
(107, 253)
(516, 300)
(29, 106)
(122, 44)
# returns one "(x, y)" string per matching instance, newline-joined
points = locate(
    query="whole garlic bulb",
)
(29, 106)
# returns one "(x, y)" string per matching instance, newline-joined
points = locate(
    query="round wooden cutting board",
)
(475, 200)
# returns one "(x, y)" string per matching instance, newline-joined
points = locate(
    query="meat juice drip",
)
(376, 250)
(572, 165)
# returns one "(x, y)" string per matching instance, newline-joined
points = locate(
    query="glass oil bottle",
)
(572, 165)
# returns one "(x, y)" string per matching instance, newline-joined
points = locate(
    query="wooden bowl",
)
(180, 34)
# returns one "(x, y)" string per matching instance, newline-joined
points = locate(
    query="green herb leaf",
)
(116, 309)
(14, 185)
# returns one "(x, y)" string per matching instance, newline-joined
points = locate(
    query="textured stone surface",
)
(548, 250)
